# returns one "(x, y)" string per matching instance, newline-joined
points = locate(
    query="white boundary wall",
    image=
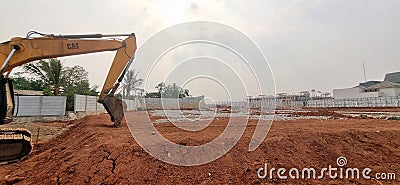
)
(39, 105)
(84, 103)
(130, 104)
(172, 103)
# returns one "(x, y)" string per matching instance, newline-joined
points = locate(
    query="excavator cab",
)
(6, 111)
(15, 143)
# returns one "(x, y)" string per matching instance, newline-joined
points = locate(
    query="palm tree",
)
(131, 83)
(161, 88)
(50, 71)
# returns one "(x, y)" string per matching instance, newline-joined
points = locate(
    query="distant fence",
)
(385, 101)
(173, 103)
(39, 105)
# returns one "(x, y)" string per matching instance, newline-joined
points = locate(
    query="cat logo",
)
(72, 45)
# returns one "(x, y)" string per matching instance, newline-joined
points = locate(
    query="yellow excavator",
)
(16, 143)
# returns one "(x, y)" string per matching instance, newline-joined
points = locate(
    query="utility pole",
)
(365, 76)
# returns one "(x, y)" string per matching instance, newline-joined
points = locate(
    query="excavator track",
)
(15, 143)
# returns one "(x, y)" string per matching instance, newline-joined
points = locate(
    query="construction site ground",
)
(90, 150)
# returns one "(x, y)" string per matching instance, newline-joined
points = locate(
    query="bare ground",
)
(91, 151)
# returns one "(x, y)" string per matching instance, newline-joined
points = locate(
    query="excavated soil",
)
(320, 112)
(360, 109)
(92, 151)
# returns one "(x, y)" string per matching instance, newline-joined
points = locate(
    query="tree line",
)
(51, 77)
(54, 79)
(168, 91)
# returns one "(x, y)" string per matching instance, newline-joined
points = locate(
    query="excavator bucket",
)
(115, 108)
(15, 143)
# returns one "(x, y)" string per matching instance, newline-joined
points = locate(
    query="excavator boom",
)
(19, 51)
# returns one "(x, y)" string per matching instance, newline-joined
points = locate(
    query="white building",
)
(389, 87)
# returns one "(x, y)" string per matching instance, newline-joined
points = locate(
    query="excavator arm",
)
(24, 50)
(19, 51)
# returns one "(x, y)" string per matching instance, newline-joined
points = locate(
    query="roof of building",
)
(393, 77)
(385, 84)
(368, 84)
(28, 92)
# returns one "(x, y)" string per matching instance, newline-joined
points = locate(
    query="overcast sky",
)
(309, 44)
